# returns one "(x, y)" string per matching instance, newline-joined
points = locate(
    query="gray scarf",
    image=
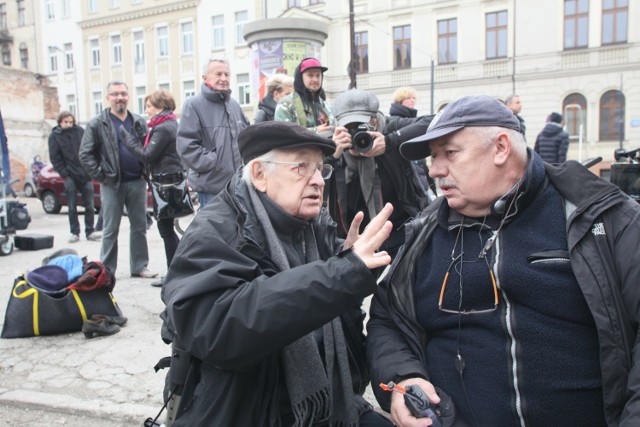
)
(319, 392)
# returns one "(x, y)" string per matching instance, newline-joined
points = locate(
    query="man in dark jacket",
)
(517, 292)
(553, 142)
(208, 132)
(64, 145)
(266, 300)
(368, 177)
(105, 156)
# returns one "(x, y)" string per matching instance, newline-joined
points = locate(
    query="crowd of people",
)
(510, 299)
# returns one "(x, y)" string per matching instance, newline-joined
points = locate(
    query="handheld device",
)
(417, 402)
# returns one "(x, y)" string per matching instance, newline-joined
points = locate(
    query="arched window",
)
(574, 109)
(612, 116)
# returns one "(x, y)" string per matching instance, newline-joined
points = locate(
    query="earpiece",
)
(499, 206)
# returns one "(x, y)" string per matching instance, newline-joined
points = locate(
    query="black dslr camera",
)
(361, 141)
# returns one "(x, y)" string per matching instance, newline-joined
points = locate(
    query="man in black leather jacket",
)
(265, 299)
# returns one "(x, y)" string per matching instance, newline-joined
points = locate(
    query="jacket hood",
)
(59, 131)
(400, 110)
(268, 104)
(305, 93)
(551, 129)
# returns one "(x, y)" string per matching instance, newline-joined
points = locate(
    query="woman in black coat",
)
(160, 156)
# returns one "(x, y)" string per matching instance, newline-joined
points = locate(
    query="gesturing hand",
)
(366, 245)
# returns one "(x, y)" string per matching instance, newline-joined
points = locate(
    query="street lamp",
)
(75, 81)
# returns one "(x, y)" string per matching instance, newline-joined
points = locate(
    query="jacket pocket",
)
(550, 256)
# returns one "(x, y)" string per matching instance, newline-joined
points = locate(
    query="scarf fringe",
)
(314, 408)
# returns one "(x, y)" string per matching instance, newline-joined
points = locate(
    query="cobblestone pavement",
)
(72, 381)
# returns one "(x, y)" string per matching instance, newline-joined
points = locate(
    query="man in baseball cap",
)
(307, 105)
(479, 111)
(513, 272)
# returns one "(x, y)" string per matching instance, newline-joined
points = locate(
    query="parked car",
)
(51, 192)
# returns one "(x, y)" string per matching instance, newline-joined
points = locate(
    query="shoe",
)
(145, 274)
(158, 283)
(99, 328)
(74, 238)
(96, 236)
(116, 320)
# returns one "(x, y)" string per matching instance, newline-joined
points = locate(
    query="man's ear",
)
(502, 148)
(258, 176)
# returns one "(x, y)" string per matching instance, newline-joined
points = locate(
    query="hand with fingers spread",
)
(366, 245)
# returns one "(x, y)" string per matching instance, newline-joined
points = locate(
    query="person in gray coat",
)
(208, 132)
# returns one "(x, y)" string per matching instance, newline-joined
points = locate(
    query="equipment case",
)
(33, 241)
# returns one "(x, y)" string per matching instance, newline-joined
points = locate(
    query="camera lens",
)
(361, 141)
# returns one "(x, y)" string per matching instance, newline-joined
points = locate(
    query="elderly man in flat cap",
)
(517, 291)
(266, 301)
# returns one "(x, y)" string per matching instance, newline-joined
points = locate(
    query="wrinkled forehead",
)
(300, 154)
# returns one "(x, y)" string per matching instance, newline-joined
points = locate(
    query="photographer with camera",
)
(369, 170)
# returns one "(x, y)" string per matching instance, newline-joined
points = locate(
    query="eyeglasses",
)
(306, 169)
(458, 261)
(116, 94)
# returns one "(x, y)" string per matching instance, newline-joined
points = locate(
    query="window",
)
(294, 3)
(165, 86)
(576, 23)
(4, 25)
(6, 55)
(24, 56)
(68, 56)
(497, 35)
(92, 5)
(188, 88)
(244, 89)
(241, 19)
(402, 47)
(575, 113)
(163, 41)
(71, 104)
(315, 1)
(140, 94)
(22, 17)
(136, 1)
(113, 4)
(448, 41)
(138, 51)
(65, 9)
(217, 28)
(53, 60)
(50, 10)
(362, 52)
(96, 97)
(186, 28)
(94, 46)
(116, 50)
(614, 21)
(612, 116)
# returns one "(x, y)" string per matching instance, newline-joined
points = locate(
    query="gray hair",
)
(510, 98)
(518, 143)
(269, 167)
(205, 68)
(116, 83)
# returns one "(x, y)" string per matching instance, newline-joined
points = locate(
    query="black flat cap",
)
(259, 139)
(481, 110)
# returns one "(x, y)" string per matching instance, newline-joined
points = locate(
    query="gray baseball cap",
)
(355, 105)
(480, 110)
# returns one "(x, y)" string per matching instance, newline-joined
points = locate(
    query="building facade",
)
(577, 57)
